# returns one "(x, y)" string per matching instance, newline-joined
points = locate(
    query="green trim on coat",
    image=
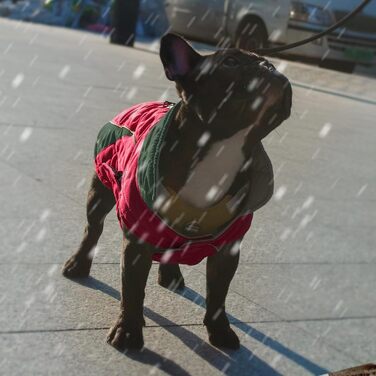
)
(148, 161)
(108, 135)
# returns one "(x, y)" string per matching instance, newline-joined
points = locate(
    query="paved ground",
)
(303, 299)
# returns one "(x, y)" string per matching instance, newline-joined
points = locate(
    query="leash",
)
(262, 51)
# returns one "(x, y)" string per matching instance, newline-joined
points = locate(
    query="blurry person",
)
(124, 20)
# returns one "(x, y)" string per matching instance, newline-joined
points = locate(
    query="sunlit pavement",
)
(303, 299)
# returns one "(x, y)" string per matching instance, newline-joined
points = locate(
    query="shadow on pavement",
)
(228, 362)
(147, 356)
(259, 336)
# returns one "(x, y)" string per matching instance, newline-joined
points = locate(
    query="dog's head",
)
(228, 90)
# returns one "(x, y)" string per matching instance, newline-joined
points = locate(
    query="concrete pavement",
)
(303, 298)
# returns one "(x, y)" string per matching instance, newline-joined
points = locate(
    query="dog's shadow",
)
(240, 362)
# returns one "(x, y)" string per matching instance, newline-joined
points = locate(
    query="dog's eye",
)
(230, 62)
(268, 65)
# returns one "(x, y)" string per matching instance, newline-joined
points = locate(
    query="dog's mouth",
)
(283, 109)
(261, 114)
(271, 101)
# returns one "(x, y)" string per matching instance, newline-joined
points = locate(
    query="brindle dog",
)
(237, 98)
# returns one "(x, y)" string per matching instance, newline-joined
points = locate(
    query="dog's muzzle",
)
(273, 89)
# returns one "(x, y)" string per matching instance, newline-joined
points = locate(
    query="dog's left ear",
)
(178, 57)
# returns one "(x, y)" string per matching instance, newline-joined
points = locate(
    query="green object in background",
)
(48, 4)
(359, 54)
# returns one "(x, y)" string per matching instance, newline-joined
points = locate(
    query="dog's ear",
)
(178, 57)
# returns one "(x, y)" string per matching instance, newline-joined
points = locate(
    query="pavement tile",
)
(287, 233)
(25, 197)
(267, 349)
(54, 239)
(37, 297)
(353, 337)
(298, 292)
(332, 80)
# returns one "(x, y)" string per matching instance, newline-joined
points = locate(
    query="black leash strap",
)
(262, 51)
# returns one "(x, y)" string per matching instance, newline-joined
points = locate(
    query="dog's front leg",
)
(136, 261)
(220, 269)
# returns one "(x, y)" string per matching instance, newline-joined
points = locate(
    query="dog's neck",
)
(199, 165)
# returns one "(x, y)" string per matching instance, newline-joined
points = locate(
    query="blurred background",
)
(245, 24)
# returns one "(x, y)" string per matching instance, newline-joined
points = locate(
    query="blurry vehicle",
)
(241, 23)
(259, 23)
(153, 17)
(344, 48)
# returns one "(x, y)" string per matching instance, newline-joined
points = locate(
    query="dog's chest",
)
(211, 178)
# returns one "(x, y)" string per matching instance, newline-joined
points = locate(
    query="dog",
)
(186, 179)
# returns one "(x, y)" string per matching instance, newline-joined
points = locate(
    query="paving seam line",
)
(248, 263)
(333, 92)
(30, 331)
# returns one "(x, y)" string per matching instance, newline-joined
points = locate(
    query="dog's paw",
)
(223, 337)
(77, 267)
(171, 278)
(125, 336)
(172, 284)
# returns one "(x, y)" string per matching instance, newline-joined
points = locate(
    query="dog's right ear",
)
(178, 57)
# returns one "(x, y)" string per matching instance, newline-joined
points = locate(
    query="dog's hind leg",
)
(100, 201)
(169, 276)
(220, 269)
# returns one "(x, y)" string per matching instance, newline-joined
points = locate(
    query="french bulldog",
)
(186, 179)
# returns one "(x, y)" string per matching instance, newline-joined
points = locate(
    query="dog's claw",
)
(223, 337)
(77, 267)
(123, 337)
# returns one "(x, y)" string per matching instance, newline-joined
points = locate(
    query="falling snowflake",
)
(139, 71)
(281, 191)
(17, 81)
(26, 133)
(64, 71)
(325, 130)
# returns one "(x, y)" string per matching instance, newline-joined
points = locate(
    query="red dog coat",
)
(126, 160)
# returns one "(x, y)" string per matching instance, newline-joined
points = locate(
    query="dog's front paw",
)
(223, 337)
(77, 266)
(125, 335)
